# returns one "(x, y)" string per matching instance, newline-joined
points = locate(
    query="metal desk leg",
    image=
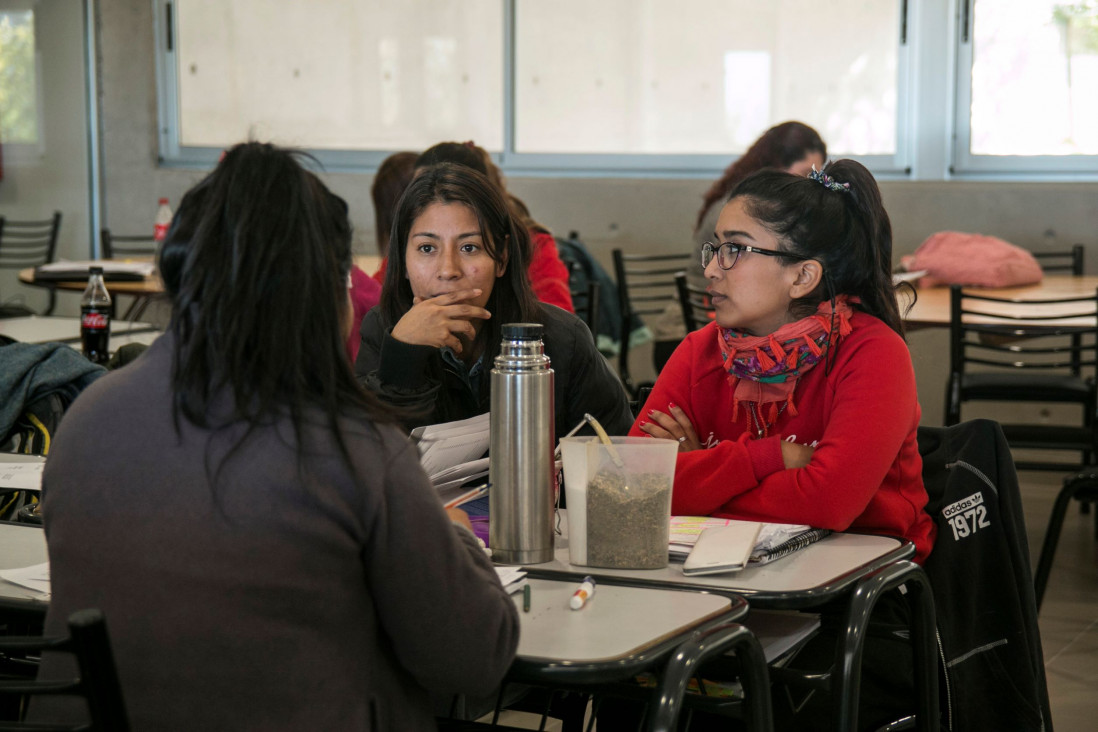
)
(667, 704)
(846, 680)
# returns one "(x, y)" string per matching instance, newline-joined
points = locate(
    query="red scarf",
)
(763, 370)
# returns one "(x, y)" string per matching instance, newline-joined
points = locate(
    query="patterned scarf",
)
(764, 369)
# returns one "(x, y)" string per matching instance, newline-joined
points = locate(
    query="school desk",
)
(21, 545)
(858, 566)
(61, 329)
(931, 308)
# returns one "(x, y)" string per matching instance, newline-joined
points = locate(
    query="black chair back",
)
(126, 245)
(697, 311)
(646, 286)
(586, 304)
(1018, 350)
(1068, 260)
(29, 244)
(97, 682)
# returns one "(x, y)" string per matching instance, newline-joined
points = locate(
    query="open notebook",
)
(771, 540)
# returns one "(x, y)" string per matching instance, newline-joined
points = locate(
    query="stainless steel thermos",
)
(520, 458)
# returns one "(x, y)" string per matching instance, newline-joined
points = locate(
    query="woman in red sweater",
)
(798, 404)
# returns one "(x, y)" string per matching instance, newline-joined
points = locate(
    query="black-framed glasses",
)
(728, 254)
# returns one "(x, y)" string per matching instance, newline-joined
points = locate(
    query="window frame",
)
(966, 165)
(932, 117)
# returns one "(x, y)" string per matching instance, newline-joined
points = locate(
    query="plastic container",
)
(619, 500)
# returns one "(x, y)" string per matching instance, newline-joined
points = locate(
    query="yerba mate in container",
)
(619, 500)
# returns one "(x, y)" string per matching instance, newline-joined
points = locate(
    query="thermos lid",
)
(522, 331)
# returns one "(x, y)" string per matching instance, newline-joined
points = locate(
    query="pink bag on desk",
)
(957, 258)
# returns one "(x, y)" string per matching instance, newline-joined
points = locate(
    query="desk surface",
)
(931, 309)
(618, 622)
(21, 545)
(809, 577)
(148, 286)
(49, 329)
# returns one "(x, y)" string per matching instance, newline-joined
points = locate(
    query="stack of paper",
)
(512, 578)
(78, 270)
(36, 578)
(452, 453)
(22, 475)
(774, 540)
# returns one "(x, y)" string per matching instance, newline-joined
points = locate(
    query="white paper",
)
(512, 578)
(36, 577)
(109, 266)
(24, 476)
(446, 445)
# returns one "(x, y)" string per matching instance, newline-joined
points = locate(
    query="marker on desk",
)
(526, 598)
(583, 594)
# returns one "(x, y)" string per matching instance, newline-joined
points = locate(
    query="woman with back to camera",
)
(457, 274)
(261, 538)
(798, 405)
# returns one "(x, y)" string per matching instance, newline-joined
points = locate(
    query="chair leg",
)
(1073, 486)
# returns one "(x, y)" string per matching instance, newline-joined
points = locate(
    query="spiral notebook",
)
(773, 541)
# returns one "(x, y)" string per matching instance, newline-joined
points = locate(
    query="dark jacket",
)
(292, 593)
(983, 588)
(418, 378)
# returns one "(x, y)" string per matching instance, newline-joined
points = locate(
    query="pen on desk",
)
(526, 598)
(583, 594)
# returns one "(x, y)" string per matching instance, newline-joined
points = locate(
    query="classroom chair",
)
(1021, 350)
(1081, 487)
(97, 681)
(28, 244)
(646, 286)
(697, 311)
(994, 674)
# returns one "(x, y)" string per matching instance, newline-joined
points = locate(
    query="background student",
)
(457, 273)
(798, 404)
(263, 542)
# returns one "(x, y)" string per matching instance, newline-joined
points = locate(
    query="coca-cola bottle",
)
(95, 318)
(163, 220)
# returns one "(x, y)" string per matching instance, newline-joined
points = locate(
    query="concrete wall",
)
(644, 215)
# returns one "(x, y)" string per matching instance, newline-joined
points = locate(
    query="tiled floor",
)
(1069, 616)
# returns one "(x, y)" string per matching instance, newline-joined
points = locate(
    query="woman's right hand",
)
(796, 456)
(440, 321)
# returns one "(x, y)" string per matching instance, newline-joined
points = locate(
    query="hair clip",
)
(827, 181)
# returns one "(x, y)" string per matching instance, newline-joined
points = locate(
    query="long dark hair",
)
(847, 231)
(393, 176)
(505, 239)
(779, 147)
(256, 265)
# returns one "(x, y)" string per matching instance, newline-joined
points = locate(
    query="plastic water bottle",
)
(163, 220)
(520, 460)
(95, 318)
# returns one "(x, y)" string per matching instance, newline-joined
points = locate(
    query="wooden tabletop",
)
(931, 309)
(149, 286)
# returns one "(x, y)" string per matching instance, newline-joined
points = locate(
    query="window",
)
(648, 76)
(19, 119)
(334, 74)
(1026, 96)
(617, 85)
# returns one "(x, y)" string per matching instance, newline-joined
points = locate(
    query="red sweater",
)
(365, 293)
(547, 272)
(865, 473)
(548, 275)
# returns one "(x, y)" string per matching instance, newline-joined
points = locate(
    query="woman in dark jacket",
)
(457, 273)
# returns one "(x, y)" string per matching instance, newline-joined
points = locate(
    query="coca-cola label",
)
(160, 231)
(95, 321)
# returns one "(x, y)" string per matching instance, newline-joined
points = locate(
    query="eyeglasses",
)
(728, 254)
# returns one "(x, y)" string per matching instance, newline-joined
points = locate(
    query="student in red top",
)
(798, 404)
